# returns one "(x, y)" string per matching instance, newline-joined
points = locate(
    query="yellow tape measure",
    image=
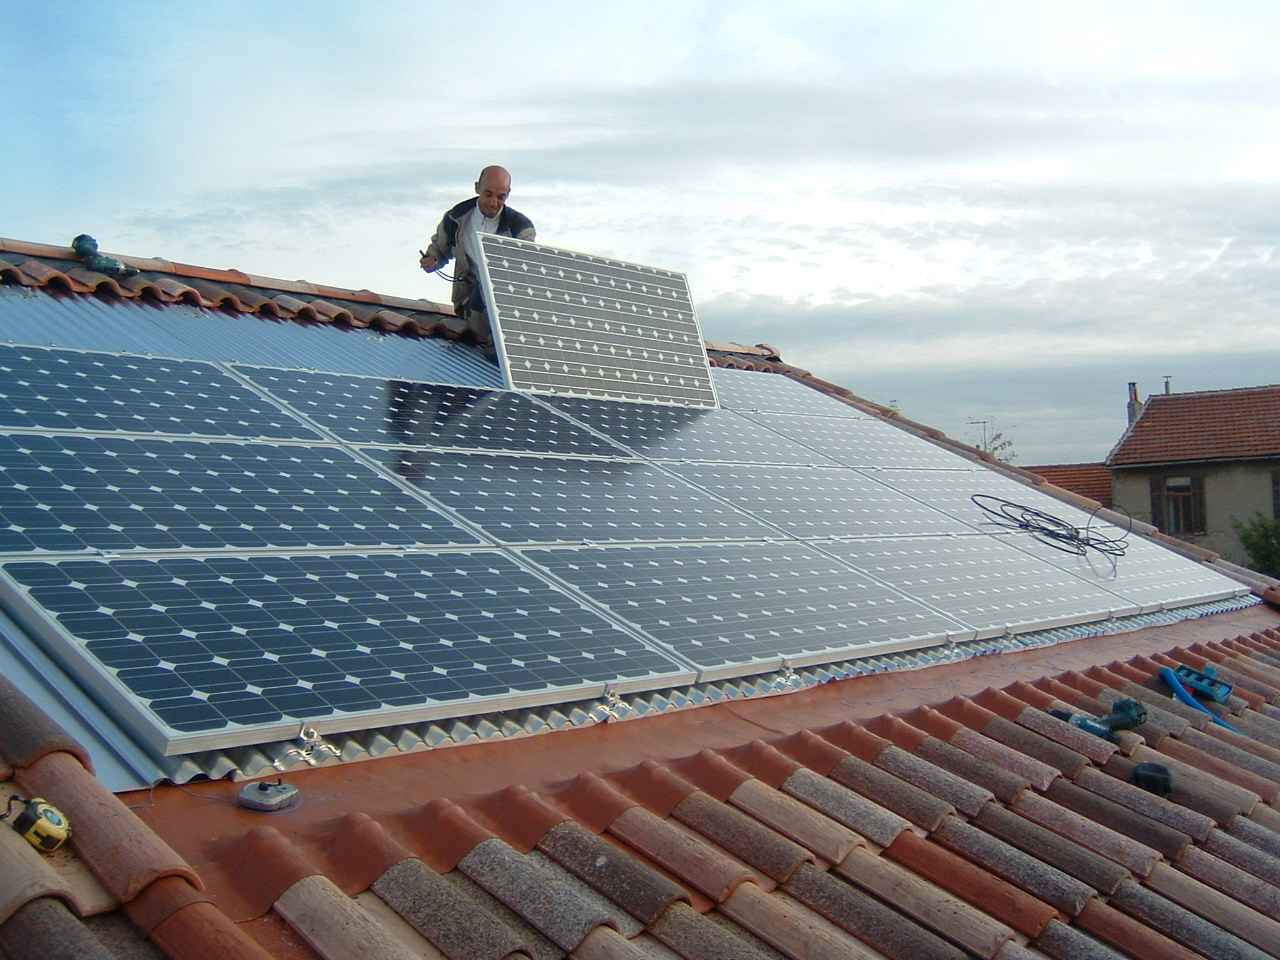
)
(42, 824)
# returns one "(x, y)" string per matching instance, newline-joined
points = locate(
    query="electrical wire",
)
(1053, 531)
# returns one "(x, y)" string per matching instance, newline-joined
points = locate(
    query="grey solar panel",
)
(580, 325)
(410, 413)
(219, 651)
(71, 390)
(735, 609)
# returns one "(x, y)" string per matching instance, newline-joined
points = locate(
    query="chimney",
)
(1135, 405)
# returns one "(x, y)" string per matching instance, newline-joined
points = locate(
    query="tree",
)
(994, 440)
(1261, 538)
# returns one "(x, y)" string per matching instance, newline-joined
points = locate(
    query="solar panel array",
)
(223, 553)
(580, 325)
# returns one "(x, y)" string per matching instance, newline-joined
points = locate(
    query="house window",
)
(1177, 505)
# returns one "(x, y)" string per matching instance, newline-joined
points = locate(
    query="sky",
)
(989, 215)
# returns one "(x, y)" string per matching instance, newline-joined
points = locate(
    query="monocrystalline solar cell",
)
(234, 650)
(579, 325)
(983, 581)
(818, 501)
(70, 390)
(544, 499)
(666, 433)
(71, 493)
(368, 410)
(862, 442)
(734, 609)
(749, 392)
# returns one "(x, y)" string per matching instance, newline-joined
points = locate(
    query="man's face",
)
(493, 189)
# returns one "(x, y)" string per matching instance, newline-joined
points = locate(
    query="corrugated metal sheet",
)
(179, 330)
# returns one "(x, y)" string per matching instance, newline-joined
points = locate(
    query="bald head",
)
(493, 188)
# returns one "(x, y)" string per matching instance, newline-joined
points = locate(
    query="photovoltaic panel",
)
(368, 410)
(734, 609)
(545, 499)
(775, 393)
(818, 501)
(575, 324)
(69, 390)
(71, 493)
(224, 650)
(1146, 575)
(982, 581)
(860, 442)
(666, 433)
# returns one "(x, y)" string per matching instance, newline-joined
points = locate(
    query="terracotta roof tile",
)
(867, 918)
(1240, 884)
(789, 927)
(334, 925)
(1129, 935)
(744, 837)
(1137, 826)
(455, 924)
(706, 870)
(906, 799)
(693, 936)
(1206, 425)
(1202, 899)
(1180, 924)
(560, 905)
(1062, 942)
(533, 942)
(822, 835)
(1090, 480)
(945, 914)
(29, 734)
(846, 806)
(638, 889)
(1006, 861)
(1182, 819)
(965, 796)
(1003, 784)
(1136, 857)
(25, 875)
(1099, 872)
(1020, 910)
(44, 929)
(1243, 855)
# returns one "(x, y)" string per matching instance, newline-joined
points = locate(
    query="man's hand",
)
(429, 263)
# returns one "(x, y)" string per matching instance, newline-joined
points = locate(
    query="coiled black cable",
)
(1051, 530)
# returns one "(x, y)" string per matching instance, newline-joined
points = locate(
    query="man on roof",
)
(456, 239)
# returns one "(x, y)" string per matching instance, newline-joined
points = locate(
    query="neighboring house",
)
(330, 645)
(1090, 480)
(1193, 464)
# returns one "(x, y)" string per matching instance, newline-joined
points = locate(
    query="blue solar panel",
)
(69, 390)
(543, 499)
(231, 650)
(367, 410)
(72, 493)
(733, 609)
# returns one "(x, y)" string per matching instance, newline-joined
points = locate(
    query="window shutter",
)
(1157, 503)
(1198, 524)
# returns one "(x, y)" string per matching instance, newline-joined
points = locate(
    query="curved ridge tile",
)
(706, 870)
(560, 905)
(458, 926)
(743, 837)
(693, 936)
(1182, 925)
(1006, 861)
(45, 929)
(1132, 855)
(1132, 824)
(846, 806)
(27, 733)
(1160, 809)
(796, 821)
(637, 888)
(1214, 907)
(25, 875)
(1071, 858)
(791, 929)
(123, 853)
(867, 918)
(1062, 942)
(1246, 887)
(1131, 936)
(923, 809)
(926, 902)
(964, 795)
(334, 925)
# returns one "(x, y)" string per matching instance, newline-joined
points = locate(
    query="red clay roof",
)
(1209, 425)
(1090, 480)
(924, 814)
